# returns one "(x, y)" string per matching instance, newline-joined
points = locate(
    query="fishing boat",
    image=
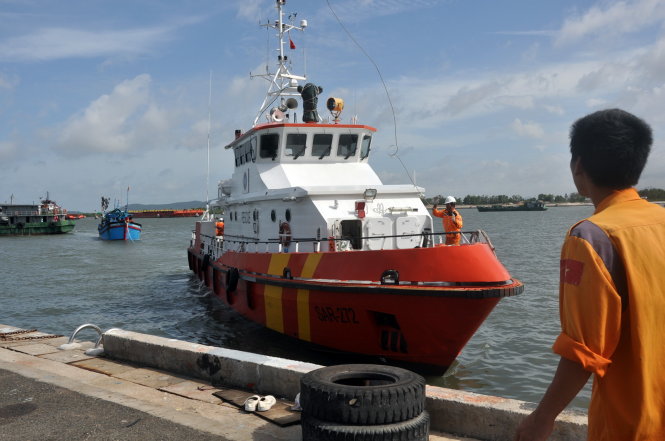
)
(166, 213)
(316, 247)
(117, 224)
(31, 220)
(525, 206)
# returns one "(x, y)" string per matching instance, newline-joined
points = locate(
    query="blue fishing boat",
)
(118, 225)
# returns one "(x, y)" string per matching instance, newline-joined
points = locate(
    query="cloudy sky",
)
(98, 95)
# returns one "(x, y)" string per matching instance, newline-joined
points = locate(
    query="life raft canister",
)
(285, 234)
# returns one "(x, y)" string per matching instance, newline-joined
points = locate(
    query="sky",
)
(468, 96)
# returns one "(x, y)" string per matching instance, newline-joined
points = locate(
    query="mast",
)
(282, 83)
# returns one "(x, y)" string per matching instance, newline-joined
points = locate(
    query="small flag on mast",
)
(292, 45)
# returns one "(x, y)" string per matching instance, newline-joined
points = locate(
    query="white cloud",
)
(7, 150)
(528, 129)
(8, 81)
(59, 43)
(110, 122)
(616, 19)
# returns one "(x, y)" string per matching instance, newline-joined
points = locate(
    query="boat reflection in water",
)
(316, 247)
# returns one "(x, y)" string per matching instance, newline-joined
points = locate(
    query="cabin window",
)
(243, 153)
(321, 145)
(269, 146)
(347, 145)
(295, 144)
(364, 148)
(252, 148)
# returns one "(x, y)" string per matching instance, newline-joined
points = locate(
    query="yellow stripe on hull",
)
(273, 294)
(304, 332)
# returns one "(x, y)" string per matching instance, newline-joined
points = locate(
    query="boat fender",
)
(285, 234)
(287, 274)
(232, 277)
(390, 277)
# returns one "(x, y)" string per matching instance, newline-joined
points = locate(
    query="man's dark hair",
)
(613, 146)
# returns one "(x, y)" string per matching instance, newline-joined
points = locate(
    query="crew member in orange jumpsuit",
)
(452, 221)
(220, 227)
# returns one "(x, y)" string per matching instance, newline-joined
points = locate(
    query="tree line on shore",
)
(654, 194)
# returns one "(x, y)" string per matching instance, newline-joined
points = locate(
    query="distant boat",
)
(526, 206)
(166, 213)
(32, 220)
(118, 225)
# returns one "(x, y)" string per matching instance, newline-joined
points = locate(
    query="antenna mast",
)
(282, 82)
(208, 160)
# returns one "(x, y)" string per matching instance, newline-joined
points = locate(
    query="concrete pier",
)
(174, 381)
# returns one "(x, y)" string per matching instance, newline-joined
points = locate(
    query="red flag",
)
(571, 271)
(292, 45)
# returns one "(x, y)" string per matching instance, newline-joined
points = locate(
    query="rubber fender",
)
(362, 394)
(232, 276)
(415, 429)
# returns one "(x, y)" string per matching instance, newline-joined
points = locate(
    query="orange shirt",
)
(450, 224)
(612, 307)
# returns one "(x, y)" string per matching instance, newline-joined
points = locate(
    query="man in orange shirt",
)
(612, 290)
(452, 220)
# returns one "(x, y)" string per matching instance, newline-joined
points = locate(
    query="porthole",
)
(288, 215)
(273, 216)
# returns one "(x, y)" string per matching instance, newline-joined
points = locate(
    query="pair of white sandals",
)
(261, 404)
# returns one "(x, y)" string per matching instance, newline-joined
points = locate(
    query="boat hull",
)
(119, 231)
(165, 213)
(37, 228)
(418, 309)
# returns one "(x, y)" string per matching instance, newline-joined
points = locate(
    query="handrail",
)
(216, 245)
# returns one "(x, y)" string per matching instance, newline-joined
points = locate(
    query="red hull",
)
(335, 299)
(165, 213)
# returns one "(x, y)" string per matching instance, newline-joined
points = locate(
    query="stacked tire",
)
(363, 402)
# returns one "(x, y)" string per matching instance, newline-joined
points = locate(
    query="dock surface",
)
(54, 394)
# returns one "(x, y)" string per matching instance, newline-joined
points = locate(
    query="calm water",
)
(56, 283)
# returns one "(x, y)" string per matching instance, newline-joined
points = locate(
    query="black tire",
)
(415, 429)
(362, 394)
(232, 276)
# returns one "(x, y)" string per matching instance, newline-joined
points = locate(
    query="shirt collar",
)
(617, 197)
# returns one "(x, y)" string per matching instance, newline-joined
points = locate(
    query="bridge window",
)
(347, 145)
(295, 144)
(321, 145)
(364, 148)
(269, 146)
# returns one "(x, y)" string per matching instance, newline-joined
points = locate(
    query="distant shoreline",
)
(552, 204)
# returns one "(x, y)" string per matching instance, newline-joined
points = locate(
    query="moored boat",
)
(316, 247)
(525, 206)
(166, 213)
(32, 220)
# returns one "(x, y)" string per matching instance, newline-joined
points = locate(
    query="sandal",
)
(265, 403)
(251, 402)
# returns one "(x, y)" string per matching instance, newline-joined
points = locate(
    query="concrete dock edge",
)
(462, 413)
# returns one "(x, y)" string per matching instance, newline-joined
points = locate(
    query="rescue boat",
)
(316, 247)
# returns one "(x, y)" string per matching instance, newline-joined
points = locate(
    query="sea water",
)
(56, 283)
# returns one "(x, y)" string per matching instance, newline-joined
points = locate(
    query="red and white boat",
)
(314, 246)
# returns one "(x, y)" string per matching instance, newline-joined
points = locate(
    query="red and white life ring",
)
(285, 234)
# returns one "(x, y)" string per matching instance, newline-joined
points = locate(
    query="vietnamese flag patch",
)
(571, 271)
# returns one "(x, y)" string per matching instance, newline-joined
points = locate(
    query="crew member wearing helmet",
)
(219, 226)
(452, 220)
